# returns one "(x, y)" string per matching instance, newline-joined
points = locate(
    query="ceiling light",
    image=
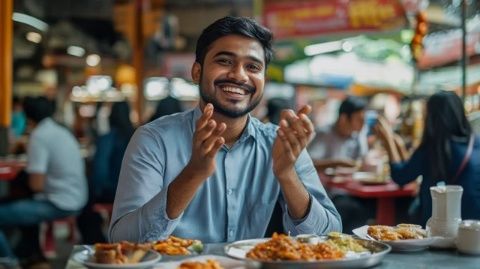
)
(93, 60)
(76, 51)
(34, 37)
(322, 48)
(29, 20)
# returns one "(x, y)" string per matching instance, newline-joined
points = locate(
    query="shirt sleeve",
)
(405, 172)
(139, 212)
(322, 217)
(37, 157)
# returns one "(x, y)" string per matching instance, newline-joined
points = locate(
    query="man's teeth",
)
(234, 90)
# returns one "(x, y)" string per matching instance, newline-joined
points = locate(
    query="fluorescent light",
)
(156, 88)
(97, 84)
(320, 48)
(34, 37)
(29, 20)
(93, 59)
(76, 51)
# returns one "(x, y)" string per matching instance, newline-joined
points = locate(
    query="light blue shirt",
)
(54, 151)
(235, 203)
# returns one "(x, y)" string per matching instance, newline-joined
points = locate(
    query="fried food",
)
(209, 264)
(283, 248)
(175, 246)
(120, 253)
(401, 232)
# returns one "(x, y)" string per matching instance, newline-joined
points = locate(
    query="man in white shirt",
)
(56, 176)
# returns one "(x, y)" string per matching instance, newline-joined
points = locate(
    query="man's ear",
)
(196, 72)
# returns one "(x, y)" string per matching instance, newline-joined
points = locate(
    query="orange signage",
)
(313, 18)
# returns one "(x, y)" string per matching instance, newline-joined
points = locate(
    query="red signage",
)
(289, 19)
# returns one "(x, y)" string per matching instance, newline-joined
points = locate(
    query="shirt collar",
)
(250, 131)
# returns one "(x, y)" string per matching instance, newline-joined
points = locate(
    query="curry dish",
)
(284, 248)
(209, 264)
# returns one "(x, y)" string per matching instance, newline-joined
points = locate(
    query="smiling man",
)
(215, 173)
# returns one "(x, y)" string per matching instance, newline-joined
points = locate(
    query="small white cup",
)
(468, 238)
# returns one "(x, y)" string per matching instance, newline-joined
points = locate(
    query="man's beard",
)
(231, 113)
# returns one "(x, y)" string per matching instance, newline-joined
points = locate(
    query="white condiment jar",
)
(468, 237)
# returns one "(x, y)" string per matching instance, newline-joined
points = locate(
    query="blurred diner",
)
(344, 142)
(449, 153)
(54, 183)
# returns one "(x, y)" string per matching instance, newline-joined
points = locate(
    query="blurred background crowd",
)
(101, 68)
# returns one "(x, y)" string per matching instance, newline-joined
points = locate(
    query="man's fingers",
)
(307, 124)
(202, 134)
(210, 141)
(216, 146)
(305, 110)
(301, 126)
(286, 144)
(207, 114)
(293, 140)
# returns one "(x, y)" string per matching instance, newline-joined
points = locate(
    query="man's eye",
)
(254, 68)
(224, 61)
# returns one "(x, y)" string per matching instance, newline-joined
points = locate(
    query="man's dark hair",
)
(352, 104)
(37, 108)
(234, 26)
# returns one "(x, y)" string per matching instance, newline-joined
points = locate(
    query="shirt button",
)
(230, 233)
(229, 192)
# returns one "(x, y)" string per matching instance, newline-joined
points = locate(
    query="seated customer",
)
(447, 143)
(215, 173)
(55, 176)
(344, 142)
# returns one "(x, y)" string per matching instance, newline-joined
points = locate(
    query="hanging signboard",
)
(289, 19)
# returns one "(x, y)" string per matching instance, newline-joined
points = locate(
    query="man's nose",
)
(238, 73)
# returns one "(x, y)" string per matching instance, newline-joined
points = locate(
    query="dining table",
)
(9, 168)
(386, 192)
(426, 259)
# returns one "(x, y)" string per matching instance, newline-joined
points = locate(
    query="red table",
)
(385, 195)
(9, 169)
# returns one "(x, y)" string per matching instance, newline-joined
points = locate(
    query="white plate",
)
(85, 257)
(398, 245)
(225, 262)
(352, 260)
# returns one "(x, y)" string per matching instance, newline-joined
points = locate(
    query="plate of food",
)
(176, 246)
(368, 178)
(335, 251)
(403, 237)
(203, 262)
(123, 255)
